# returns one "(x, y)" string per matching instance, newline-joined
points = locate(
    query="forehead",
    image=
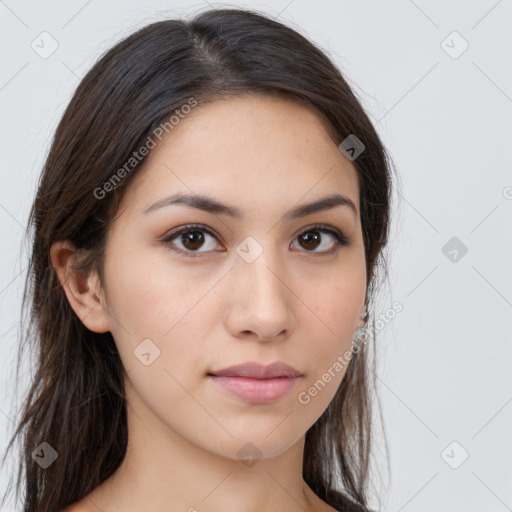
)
(254, 150)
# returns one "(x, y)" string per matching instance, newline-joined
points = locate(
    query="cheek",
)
(161, 302)
(336, 304)
(329, 358)
(328, 346)
(148, 293)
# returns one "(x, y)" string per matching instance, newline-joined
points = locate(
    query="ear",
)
(82, 289)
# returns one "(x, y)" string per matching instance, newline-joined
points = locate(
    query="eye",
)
(191, 238)
(311, 238)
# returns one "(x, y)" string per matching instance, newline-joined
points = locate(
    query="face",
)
(262, 286)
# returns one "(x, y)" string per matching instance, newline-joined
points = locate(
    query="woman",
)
(208, 228)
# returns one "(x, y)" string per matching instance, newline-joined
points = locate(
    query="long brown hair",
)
(76, 400)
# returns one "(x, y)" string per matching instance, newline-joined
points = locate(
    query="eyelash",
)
(339, 237)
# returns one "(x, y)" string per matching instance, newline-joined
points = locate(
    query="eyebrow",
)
(210, 205)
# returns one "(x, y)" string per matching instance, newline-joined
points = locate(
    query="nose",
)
(261, 303)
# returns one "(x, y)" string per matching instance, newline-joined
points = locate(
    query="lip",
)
(256, 383)
(258, 371)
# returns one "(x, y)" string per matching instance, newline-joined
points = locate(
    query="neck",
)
(165, 471)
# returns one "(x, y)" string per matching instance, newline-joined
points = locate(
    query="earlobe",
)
(82, 289)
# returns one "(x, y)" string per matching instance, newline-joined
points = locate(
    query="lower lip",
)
(256, 391)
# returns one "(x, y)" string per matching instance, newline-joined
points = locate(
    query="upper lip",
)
(258, 371)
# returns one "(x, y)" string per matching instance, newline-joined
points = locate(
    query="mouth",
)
(255, 383)
(256, 391)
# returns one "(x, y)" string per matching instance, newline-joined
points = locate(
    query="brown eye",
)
(311, 239)
(314, 237)
(192, 238)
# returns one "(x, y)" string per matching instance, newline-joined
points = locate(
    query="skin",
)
(263, 155)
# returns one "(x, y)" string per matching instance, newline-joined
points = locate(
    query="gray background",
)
(444, 361)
